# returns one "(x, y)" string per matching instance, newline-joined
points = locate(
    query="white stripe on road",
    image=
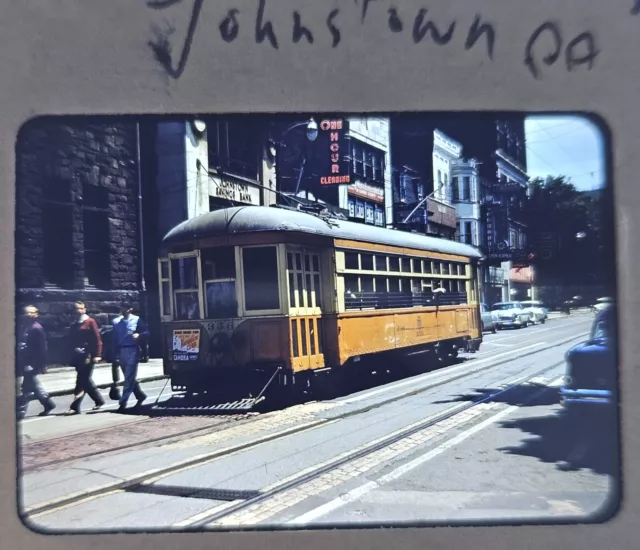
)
(416, 380)
(398, 472)
(499, 345)
(358, 492)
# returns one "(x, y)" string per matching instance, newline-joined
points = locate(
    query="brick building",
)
(77, 221)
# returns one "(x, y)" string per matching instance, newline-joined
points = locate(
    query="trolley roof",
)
(252, 219)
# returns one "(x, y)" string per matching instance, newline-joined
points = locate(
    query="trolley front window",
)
(260, 273)
(184, 278)
(219, 275)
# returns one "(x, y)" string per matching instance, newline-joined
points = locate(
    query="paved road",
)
(484, 440)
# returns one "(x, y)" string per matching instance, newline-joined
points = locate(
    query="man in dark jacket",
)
(31, 361)
(85, 346)
(128, 330)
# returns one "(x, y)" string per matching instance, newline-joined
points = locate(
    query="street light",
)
(312, 130)
(312, 135)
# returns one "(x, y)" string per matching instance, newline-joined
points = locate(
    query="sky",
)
(571, 146)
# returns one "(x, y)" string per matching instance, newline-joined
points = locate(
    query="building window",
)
(368, 162)
(352, 208)
(95, 220)
(468, 233)
(57, 230)
(261, 291)
(358, 161)
(420, 191)
(513, 243)
(368, 213)
(466, 188)
(379, 214)
(234, 147)
(455, 189)
(439, 178)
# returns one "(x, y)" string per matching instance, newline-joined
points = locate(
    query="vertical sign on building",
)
(332, 153)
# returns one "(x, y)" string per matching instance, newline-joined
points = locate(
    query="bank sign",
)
(332, 155)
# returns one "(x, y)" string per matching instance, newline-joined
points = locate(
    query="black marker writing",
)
(548, 59)
(395, 23)
(264, 30)
(575, 53)
(544, 46)
(229, 27)
(335, 31)
(161, 4)
(585, 39)
(299, 30)
(365, 8)
(476, 31)
(162, 48)
(420, 29)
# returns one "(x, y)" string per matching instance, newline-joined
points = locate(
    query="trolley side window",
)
(184, 278)
(219, 276)
(387, 281)
(260, 274)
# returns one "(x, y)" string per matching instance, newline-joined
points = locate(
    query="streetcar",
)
(256, 293)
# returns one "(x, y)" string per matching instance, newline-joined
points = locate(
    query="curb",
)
(60, 393)
(53, 370)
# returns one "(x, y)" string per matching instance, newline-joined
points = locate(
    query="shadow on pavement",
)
(573, 442)
(531, 395)
(239, 401)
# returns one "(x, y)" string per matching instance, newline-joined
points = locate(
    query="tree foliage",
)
(568, 232)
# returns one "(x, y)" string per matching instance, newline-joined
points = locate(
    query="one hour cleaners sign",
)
(332, 152)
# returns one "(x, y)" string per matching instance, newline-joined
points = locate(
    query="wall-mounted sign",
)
(332, 152)
(234, 191)
(521, 275)
(366, 191)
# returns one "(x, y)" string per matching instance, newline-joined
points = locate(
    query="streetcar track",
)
(307, 477)
(157, 473)
(235, 419)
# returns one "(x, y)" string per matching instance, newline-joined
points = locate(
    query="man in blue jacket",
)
(128, 329)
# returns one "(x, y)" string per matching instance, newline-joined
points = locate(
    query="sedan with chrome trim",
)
(511, 314)
(590, 366)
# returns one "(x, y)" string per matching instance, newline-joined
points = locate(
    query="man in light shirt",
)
(128, 330)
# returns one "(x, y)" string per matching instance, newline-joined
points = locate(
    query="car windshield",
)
(505, 305)
(602, 328)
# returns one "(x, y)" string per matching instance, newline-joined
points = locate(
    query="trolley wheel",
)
(494, 328)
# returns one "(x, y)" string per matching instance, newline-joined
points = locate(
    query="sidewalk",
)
(61, 380)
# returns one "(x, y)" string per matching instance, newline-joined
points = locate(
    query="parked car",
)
(511, 314)
(591, 366)
(537, 310)
(489, 319)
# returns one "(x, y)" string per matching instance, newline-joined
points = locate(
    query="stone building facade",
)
(77, 221)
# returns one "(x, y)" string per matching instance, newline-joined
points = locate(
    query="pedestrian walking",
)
(128, 330)
(108, 356)
(31, 362)
(85, 343)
